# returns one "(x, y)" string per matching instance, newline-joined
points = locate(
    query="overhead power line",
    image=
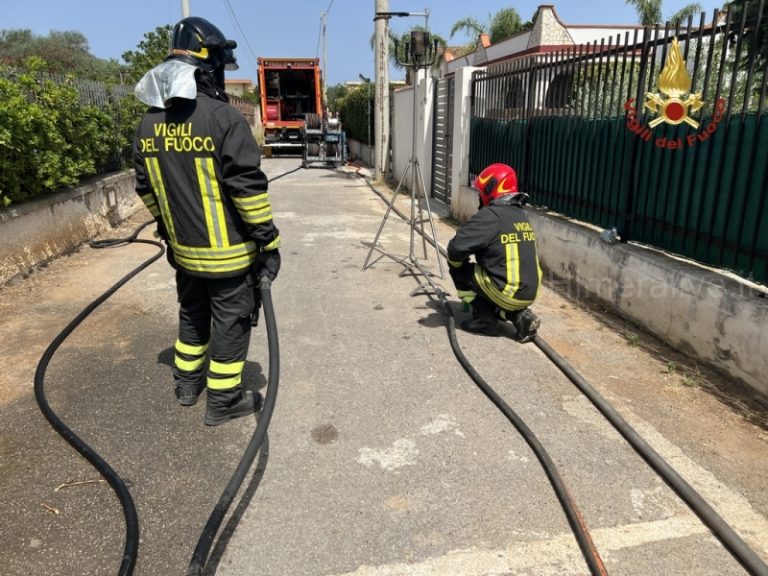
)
(233, 16)
(322, 31)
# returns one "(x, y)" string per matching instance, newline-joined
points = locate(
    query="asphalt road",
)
(383, 458)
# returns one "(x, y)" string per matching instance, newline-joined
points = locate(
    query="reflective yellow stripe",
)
(212, 204)
(188, 365)
(485, 283)
(230, 252)
(219, 256)
(191, 349)
(232, 369)
(149, 200)
(201, 55)
(223, 383)
(513, 269)
(538, 267)
(466, 295)
(455, 263)
(228, 369)
(213, 266)
(273, 245)
(254, 209)
(257, 216)
(153, 169)
(251, 202)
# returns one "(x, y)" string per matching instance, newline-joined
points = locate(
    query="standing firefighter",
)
(198, 172)
(505, 277)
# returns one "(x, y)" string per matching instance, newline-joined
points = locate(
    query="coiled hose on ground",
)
(131, 548)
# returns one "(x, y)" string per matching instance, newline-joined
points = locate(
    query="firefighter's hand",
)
(268, 264)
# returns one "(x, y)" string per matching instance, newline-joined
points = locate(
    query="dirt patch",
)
(35, 308)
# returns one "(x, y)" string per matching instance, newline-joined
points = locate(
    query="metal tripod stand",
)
(420, 55)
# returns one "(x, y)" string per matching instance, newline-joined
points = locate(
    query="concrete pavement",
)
(383, 457)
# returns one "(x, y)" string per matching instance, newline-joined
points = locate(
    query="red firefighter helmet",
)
(494, 181)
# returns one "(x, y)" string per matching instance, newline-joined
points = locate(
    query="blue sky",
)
(277, 28)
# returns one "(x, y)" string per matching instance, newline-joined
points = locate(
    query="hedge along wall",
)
(51, 137)
(356, 113)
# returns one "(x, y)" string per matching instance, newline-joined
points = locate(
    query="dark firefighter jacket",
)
(198, 172)
(504, 244)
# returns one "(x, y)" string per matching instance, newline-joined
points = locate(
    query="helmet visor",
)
(230, 62)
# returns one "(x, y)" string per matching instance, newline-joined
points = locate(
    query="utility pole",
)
(323, 20)
(381, 148)
(184, 8)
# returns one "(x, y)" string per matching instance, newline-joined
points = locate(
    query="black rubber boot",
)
(188, 393)
(481, 326)
(483, 319)
(247, 403)
(526, 324)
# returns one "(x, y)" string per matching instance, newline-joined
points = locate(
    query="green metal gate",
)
(597, 132)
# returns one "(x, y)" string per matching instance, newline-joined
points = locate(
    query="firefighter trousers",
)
(214, 325)
(464, 279)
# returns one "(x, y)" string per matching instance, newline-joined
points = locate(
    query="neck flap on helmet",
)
(168, 80)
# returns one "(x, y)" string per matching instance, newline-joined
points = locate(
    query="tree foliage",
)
(756, 33)
(399, 46)
(335, 96)
(150, 52)
(502, 25)
(64, 53)
(649, 12)
(470, 25)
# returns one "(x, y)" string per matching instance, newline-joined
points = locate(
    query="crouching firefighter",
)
(504, 279)
(198, 172)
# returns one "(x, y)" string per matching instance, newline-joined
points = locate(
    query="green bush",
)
(125, 114)
(356, 114)
(50, 140)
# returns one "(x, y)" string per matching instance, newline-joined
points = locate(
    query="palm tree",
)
(649, 12)
(398, 45)
(501, 25)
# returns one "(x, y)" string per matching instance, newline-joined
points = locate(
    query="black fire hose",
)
(722, 530)
(204, 543)
(211, 528)
(116, 483)
(732, 541)
(572, 513)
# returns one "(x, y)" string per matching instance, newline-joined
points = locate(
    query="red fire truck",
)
(291, 98)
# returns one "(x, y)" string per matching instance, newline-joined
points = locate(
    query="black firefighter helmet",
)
(200, 43)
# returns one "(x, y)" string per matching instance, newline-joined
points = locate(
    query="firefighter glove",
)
(268, 264)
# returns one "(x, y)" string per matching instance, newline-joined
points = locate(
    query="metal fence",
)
(660, 134)
(442, 139)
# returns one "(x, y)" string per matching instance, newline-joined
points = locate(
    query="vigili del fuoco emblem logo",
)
(673, 106)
